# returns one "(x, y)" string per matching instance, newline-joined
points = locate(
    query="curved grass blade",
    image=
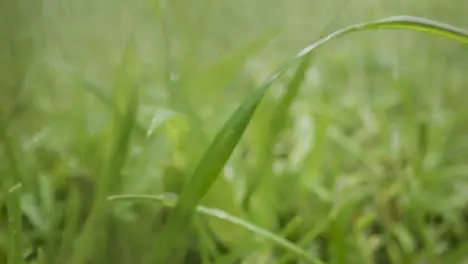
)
(259, 199)
(220, 214)
(394, 22)
(14, 225)
(172, 238)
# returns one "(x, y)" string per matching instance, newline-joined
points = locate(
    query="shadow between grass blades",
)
(173, 238)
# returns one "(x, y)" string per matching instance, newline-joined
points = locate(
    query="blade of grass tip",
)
(15, 255)
(117, 144)
(394, 22)
(171, 201)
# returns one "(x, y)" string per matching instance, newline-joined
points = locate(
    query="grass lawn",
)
(209, 131)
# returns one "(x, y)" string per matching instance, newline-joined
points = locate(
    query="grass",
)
(15, 255)
(227, 217)
(354, 155)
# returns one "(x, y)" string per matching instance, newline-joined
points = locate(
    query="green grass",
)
(351, 153)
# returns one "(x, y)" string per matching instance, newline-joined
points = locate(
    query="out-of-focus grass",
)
(368, 164)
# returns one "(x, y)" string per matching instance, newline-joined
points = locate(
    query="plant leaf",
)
(203, 177)
(173, 237)
(394, 22)
(220, 73)
(117, 143)
(259, 205)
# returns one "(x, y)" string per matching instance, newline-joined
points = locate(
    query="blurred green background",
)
(369, 166)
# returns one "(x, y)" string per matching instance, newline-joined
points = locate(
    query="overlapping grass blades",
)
(217, 213)
(171, 240)
(204, 176)
(117, 142)
(260, 203)
(15, 233)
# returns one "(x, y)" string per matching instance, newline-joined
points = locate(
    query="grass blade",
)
(277, 123)
(212, 212)
(218, 75)
(204, 176)
(14, 225)
(108, 101)
(10, 151)
(171, 239)
(100, 94)
(116, 149)
(260, 199)
(394, 22)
